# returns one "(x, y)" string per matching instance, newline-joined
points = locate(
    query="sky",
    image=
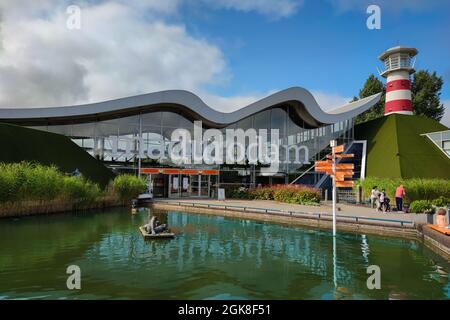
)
(229, 52)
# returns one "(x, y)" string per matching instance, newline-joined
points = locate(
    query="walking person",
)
(383, 200)
(399, 194)
(373, 196)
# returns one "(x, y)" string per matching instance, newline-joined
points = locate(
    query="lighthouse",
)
(397, 71)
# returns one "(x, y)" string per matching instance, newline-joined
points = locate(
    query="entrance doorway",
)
(183, 183)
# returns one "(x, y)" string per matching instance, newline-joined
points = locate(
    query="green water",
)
(210, 258)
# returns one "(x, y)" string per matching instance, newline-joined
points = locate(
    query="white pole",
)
(334, 189)
(333, 144)
(140, 145)
(334, 263)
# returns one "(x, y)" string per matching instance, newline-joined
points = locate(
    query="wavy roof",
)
(190, 106)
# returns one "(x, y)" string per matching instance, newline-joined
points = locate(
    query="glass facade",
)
(119, 142)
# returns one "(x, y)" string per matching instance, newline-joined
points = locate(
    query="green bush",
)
(262, 194)
(79, 189)
(416, 189)
(240, 193)
(128, 187)
(295, 194)
(441, 202)
(421, 206)
(26, 181)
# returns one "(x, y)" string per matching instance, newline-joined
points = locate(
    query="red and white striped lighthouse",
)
(397, 71)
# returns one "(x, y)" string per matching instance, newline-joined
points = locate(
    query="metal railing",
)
(310, 215)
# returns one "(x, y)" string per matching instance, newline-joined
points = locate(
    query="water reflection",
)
(210, 257)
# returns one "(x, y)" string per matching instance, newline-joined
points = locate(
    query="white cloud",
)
(325, 100)
(116, 53)
(446, 118)
(233, 103)
(329, 101)
(272, 8)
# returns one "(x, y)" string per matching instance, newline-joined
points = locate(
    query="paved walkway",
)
(325, 207)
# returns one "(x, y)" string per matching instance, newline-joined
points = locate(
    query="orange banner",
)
(178, 171)
(151, 170)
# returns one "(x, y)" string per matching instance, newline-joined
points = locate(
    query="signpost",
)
(338, 172)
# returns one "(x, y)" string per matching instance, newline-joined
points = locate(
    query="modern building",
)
(125, 133)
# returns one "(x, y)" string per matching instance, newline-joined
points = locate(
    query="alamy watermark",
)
(73, 21)
(374, 280)
(212, 146)
(74, 279)
(373, 22)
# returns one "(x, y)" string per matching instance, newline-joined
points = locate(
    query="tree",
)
(426, 90)
(372, 86)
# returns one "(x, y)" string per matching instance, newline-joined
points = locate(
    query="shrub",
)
(441, 202)
(421, 206)
(128, 187)
(266, 193)
(416, 189)
(240, 193)
(79, 189)
(26, 181)
(297, 194)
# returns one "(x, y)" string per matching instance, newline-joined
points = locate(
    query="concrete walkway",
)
(325, 208)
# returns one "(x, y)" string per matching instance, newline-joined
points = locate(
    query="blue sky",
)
(229, 52)
(319, 47)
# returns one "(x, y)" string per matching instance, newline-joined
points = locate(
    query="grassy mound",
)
(396, 148)
(25, 144)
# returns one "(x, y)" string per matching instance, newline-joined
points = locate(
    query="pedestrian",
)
(373, 196)
(399, 194)
(383, 200)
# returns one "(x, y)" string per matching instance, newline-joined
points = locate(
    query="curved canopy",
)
(190, 106)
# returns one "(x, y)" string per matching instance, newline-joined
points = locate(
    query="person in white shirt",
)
(374, 196)
(382, 200)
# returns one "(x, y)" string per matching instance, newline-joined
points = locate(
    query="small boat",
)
(162, 235)
(144, 198)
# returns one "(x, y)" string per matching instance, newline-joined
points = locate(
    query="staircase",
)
(323, 181)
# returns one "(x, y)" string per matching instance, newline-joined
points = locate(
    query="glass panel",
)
(262, 120)
(175, 185)
(204, 186)
(194, 185)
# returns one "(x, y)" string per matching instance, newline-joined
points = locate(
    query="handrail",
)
(312, 167)
(319, 215)
(307, 171)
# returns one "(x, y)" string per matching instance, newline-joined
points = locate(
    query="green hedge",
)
(128, 187)
(416, 189)
(421, 206)
(26, 181)
(296, 194)
(441, 202)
